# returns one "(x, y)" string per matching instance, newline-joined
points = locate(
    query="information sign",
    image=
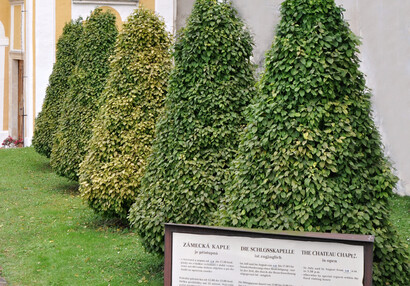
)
(198, 255)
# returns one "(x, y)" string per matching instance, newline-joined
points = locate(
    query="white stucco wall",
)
(45, 49)
(28, 74)
(84, 9)
(384, 27)
(166, 8)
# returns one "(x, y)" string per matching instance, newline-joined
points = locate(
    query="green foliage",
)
(84, 95)
(47, 120)
(110, 175)
(197, 136)
(310, 158)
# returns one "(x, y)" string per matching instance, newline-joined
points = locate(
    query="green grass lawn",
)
(401, 215)
(48, 236)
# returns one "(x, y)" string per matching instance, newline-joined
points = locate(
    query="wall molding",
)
(16, 2)
(4, 42)
(16, 54)
(106, 2)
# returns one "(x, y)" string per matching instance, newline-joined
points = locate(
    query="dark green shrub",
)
(110, 175)
(197, 137)
(310, 158)
(84, 95)
(47, 120)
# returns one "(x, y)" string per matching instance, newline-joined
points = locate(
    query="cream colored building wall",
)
(16, 52)
(149, 4)
(4, 42)
(118, 20)
(16, 17)
(4, 76)
(17, 34)
(31, 29)
(63, 15)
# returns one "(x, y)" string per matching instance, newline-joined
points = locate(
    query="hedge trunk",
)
(210, 86)
(310, 158)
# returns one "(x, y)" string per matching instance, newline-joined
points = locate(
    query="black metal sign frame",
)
(351, 239)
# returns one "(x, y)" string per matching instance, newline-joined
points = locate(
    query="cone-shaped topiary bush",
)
(47, 120)
(84, 96)
(310, 158)
(110, 175)
(197, 137)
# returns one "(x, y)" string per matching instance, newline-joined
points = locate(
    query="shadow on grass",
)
(42, 166)
(68, 188)
(103, 223)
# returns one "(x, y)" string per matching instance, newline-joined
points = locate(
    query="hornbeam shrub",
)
(84, 95)
(47, 120)
(197, 137)
(110, 175)
(311, 158)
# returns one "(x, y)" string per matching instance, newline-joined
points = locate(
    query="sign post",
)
(201, 255)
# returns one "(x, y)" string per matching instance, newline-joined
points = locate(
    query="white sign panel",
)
(243, 261)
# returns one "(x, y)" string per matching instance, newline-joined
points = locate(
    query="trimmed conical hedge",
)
(110, 175)
(310, 158)
(46, 124)
(84, 96)
(197, 137)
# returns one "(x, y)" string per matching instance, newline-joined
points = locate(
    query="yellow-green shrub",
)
(110, 174)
